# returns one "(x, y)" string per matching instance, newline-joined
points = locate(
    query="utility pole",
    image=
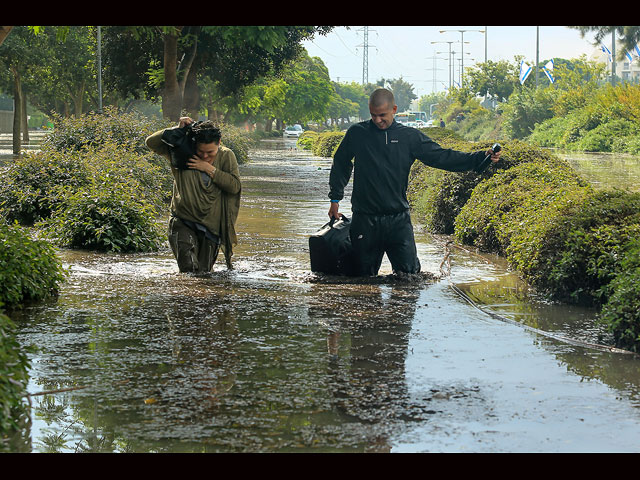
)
(99, 69)
(537, 53)
(435, 57)
(613, 56)
(365, 54)
(462, 48)
(450, 78)
(486, 34)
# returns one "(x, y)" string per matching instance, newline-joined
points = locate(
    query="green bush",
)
(29, 269)
(106, 216)
(603, 119)
(111, 166)
(30, 186)
(14, 367)
(606, 137)
(238, 140)
(92, 130)
(307, 139)
(622, 312)
(327, 143)
(589, 247)
(437, 197)
(565, 238)
(500, 205)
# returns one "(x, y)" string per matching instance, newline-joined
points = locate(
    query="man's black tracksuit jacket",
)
(381, 161)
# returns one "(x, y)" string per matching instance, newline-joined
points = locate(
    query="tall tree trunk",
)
(171, 96)
(186, 68)
(4, 31)
(17, 111)
(191, 97)
(78, 100)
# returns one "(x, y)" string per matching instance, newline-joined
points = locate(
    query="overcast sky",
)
(407, 51)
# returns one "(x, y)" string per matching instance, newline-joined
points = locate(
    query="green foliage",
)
(498, 79)
(622, 312)
(238, 140)
(480, 124)
(127, 130)
(326, 143)
(569, 241)
(437, 196)
(590, 246)
(526, 108)
(29, 269)
(589, 119)
(500, 206)
(609, 137)
(106, 216)
(30, 186)
(307, 139)
(101, 191)
(14, 366)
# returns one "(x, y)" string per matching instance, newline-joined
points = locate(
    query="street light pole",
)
(99, 69)
(462, 42)
(449, 61)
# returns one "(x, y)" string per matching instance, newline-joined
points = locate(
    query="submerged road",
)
(271, 358)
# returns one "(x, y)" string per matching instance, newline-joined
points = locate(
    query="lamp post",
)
(99, 69)
(449, 60)
(462, 42)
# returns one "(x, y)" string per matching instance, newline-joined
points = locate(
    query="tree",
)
(497, 79)
(310, 91)
(402, 92)
(349, 100)
(232, 57)
(426, 101)
(629, 35)
(17, 54)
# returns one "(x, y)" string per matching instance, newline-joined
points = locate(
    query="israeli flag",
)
(548, 70)
(604, 48)
(637, 50)
(525, 70)
(629, 56)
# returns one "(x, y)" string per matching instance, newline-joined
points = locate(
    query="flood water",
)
(272, 358)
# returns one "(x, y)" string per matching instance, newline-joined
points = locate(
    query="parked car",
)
(292, 131)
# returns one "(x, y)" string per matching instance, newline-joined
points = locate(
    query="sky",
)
(407, 51)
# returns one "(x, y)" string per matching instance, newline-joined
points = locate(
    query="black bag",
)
(330, 248)
(182, 145)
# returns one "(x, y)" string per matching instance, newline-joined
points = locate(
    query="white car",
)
(292, 131)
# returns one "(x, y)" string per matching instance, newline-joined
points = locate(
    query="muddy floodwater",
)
(269, 357)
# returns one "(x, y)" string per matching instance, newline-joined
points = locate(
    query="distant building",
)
(625, 69)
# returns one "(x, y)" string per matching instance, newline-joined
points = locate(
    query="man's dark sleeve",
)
(432, 154)
(341, 168)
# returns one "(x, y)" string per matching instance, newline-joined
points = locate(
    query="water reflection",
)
(606, 170)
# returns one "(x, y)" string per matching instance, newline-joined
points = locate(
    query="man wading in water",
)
(384, 151)
(205, 200)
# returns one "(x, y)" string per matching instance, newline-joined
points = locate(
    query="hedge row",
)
(323, 144)
(571, 242)
(29, 271)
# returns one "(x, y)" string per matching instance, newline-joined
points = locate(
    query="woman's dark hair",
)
(206, 132)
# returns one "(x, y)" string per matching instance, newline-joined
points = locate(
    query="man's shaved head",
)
(382, 107)
(382, 97)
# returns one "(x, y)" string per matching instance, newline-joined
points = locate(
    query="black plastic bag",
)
(182, 145)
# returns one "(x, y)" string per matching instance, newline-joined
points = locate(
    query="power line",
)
(365, 54)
